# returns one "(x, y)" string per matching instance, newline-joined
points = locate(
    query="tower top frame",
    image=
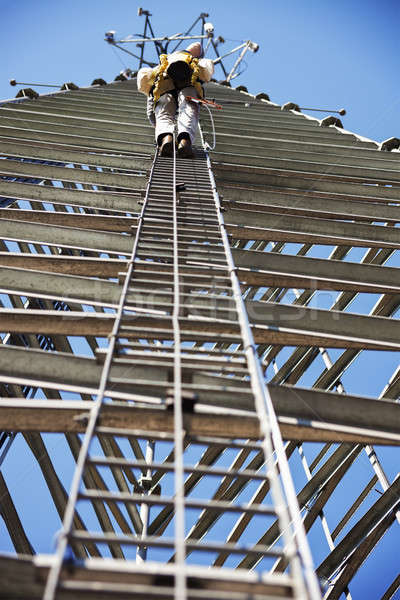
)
(148, 41)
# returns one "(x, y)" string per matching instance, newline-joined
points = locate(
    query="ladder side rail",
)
(179, 497)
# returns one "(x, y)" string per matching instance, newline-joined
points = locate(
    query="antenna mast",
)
(148, 42)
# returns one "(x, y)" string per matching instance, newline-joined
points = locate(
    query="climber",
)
(178, 75)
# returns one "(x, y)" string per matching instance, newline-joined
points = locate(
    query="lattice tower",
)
(146, 302)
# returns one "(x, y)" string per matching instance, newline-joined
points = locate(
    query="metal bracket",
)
(27, 93)
(290, 106)
(390, 144)
(83, 418)
(145, 482)
(331, 120)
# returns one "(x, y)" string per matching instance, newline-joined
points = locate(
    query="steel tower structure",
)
(145, 303)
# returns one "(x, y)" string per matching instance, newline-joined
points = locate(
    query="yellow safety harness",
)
(159, 75)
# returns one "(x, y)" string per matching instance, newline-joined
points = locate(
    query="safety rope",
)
(207, 104)
(207, 145)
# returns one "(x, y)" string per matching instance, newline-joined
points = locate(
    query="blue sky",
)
(315, 53)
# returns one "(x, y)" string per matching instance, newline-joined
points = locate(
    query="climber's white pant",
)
(188, 113)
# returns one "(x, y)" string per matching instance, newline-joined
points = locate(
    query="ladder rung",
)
(101, 590)
(193, 275)
(190, 245)
(133, 397)
(185, 201)
(187, 350)
(165, 188)
(133, 582)
(164, 226)
(157, 227)
(186, 215)
(184, 221)
(189, 281)
(166, 361)
(183, 216)
(140, 332)
(146, 434)
(153, 500)
(195, 298)
(195, 179)
(236, 394)
(200, 360)
(190, 261)
(182, 166)
(202, 181)
(187, 367)
(184, 323)
(158, 187)
(198, 206)
(158, 542)
(155, 233)
(141, 284)
(105, 589)
(187, 296)
(165, 467)
(188, 250)
(185, 307)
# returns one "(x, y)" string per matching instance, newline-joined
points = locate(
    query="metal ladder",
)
(181, 307)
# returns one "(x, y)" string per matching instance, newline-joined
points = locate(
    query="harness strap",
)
(161, 69)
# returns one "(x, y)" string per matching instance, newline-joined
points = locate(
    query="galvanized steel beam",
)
(70, 156)
(285, 270)
(95, 199)
(64, 416)
(295, 204)
(328, 156)
(307, 183)
(75, 141)
(15, 280)
(88, 135)
(72, 265)
(272, 323)
(69, 237)
(74, 175)
(255, 268)
(289, 228)
(109, 223)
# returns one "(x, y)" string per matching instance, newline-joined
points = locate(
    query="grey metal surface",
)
(314, 207)
(69, 156)
(61, 236)
(71, 196)
(68, 139)
(25, 169)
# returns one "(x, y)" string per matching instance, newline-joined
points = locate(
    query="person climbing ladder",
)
(178, 75)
